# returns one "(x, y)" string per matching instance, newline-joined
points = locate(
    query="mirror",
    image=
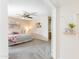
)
(25, 40)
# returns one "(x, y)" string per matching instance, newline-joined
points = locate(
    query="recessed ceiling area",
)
(38, 6)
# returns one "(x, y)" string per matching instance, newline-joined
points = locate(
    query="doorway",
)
(49, 28)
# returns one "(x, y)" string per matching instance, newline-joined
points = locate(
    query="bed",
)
(18, 38)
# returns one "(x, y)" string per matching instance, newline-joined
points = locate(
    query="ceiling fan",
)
(27, 14)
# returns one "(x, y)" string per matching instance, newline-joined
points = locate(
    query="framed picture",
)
(38, 25)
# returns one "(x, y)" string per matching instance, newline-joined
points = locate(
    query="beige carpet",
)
(35, 49)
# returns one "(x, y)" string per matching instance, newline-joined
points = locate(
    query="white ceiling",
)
(39, 6)
(66, 2)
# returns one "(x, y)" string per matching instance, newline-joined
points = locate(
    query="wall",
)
(3, 30)
(69, 44)
(41, 33)
(20, 25)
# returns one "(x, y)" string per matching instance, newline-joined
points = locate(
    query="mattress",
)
(21, 38)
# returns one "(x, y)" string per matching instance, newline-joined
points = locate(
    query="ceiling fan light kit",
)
(27, 14)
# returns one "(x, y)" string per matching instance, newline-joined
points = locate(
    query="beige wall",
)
(41, 33)
(68, 44)
(22, 26)
(3, 30)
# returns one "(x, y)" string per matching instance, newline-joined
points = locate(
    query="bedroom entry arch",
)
(55, 34)
(54, 27)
